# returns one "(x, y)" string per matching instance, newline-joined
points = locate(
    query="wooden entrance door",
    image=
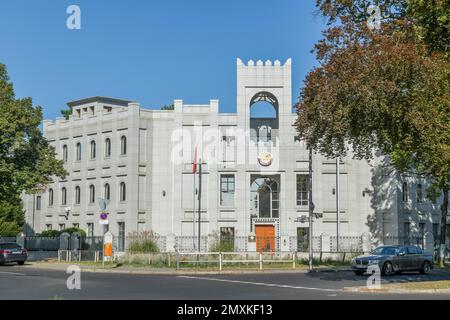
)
(265, 238)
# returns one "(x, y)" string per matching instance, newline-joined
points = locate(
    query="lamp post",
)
(311, 211)
(67, 211)
(338, 205)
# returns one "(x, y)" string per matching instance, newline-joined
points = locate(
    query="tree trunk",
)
(444, 210)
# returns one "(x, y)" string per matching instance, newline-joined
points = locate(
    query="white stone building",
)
(255, 172)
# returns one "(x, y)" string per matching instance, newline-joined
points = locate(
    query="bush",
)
(142, 242)
(74, 230)
(224, 246)
(50, 234)
(143, 246)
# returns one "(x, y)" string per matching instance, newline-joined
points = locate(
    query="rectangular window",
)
(48, 227)
(422, 229)
(90, 230)
(38, 203)
(406, 229)
(436, 231)
(227, 238)
(228, 140)
(302, 239)
(75, 225)
(62, 226)
(302, 190)
(227, 189)
(121, 239)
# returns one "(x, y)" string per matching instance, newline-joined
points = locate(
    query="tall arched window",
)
(405, 192)
(91, 194)
(123, 191)
(265, 199)
(63, 196)
(123, 145)
(77, 195)
(107, 192)
(50, 197)
(93, 149)
(107, 148)
(419, 193)
(78, 151)
(65, 153)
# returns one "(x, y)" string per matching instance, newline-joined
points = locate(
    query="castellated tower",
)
(264, 81)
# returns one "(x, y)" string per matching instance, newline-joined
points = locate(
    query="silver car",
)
(394, 259)
(12, 252)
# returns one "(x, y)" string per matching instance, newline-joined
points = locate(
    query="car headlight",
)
(374, 261)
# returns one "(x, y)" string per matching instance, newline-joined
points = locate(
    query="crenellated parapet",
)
(260, 63)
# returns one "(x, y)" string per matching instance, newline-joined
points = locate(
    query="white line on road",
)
(13, 273)
(262, 284)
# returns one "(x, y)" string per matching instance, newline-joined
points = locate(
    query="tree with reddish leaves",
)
(383, 87)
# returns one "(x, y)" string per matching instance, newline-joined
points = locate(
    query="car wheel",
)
(20, 263)
(359, 273)
(388, 269)
(426, 268)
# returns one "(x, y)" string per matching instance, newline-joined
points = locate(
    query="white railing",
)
(223, 258)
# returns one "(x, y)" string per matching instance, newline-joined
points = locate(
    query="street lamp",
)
(67, 211)
(311, 211)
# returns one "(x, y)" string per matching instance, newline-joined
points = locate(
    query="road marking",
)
(13, 273)
(262, 284)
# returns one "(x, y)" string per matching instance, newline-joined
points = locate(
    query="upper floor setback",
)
(257, 83)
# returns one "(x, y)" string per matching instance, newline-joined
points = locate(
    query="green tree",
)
(66, 113)
(382, 90)
(171, 107)
(27, 161)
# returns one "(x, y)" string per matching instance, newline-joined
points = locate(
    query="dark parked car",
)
(12, 252)
(394, 259)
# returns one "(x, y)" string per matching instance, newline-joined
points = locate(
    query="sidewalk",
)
(146, 270)
(427, 287)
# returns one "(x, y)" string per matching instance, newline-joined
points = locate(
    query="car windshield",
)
(385, 251)
(9, 246)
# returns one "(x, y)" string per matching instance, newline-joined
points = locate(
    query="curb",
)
(396, 290)
(159, 272)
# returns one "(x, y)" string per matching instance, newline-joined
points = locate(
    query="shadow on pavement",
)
(349, 276)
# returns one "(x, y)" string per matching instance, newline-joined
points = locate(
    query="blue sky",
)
(150, 51)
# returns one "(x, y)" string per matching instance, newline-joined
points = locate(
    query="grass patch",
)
(422, 285)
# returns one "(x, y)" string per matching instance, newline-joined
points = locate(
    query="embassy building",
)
(254, 174)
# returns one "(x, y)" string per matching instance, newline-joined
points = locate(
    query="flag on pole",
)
(194, 166)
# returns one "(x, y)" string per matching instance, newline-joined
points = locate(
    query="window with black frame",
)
(302, 190)
(227, 189)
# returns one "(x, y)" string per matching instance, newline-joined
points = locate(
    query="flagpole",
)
(199, 202)
(193, 215)
(194, 170)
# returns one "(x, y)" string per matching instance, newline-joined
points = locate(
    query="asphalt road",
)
(30, 283)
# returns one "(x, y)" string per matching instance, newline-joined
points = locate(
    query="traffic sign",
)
(104, 218)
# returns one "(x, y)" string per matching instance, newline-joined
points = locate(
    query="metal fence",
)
(42, 244)
(47, 247)
(407, 241)
(7, 239)
(346, 244)
(190, 244)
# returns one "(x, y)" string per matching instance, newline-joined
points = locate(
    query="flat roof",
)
(108, 100)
